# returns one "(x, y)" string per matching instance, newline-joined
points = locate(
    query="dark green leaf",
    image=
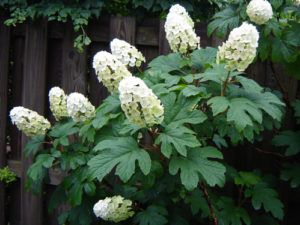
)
(289, 139)
(167, 63)
(197, 166)
(204, 57)
(267, 197)
(153, 215)
(179, 137)
(122, 152)
(230, 214)
(291, 172)
(33, 145)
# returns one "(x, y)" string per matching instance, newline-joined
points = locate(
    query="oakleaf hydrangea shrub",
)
(152, 152)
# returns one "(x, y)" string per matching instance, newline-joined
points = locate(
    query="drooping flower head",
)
(240, 49)
(28, 121)
(126, 53)
(113, 209)
(296, 2)
(140, 104)
(180, 31)
(109, 70)
(181, 11)
(79, 107)
(58, 103)
(259, 11)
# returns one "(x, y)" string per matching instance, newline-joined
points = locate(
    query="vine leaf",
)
(289, 139)
(267, 197)
(197, 166)
(122, 152)
(153, 215)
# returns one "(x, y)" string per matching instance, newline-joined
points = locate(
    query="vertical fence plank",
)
(163, 47)
(17, 57)
(4, 53)
(74, 64)
(34, 91)
(123, 28)
(97, 92)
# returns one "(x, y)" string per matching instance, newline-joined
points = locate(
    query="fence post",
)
(74, 64)
(123, 28)
(34, 91)
(163, 45)
(4, 57)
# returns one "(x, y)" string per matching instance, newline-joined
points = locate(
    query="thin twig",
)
(268, 152)
(210, 206)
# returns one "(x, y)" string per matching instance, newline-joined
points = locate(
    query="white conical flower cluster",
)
(240, 49)
(79, 107)
(110, 71)
(259, 11)
(113, 209)
(126, 53)
(297, 2)
(58, 103)
(28, 121)
(180, 31)
(140, 104)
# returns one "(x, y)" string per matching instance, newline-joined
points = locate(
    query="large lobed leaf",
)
(198, 166)
(122, 153)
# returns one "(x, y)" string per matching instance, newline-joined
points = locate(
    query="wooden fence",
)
(37, 56)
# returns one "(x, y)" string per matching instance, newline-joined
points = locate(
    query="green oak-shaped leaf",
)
(218, 104)
(153, 215)
(289, 139)
(242, 112)
(122, 153)
(178, 137)
(230, 214)
(263, 196)
(198, 166)
(166, 63)
(180, 111)
(291, 172)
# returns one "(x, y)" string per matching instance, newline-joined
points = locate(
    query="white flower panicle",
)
(181, 11)
(140, 105)
(297, 2)
(79, 107)
(126, 53)
(58, 103)
(110, 71)
(113, 209)
(28, 121)
(240, 49)
(180, 31)
(259, 11)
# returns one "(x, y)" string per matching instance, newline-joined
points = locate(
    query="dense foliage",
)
(279, 35)
(152, 152)
(7, 176)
